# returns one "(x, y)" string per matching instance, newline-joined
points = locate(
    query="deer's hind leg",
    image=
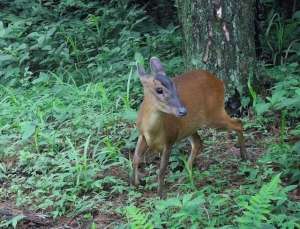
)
(229, 123)
(237, 126)
(197, 146)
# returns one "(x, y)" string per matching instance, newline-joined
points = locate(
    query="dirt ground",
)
(225, 149)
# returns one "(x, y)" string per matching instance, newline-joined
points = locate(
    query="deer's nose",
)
(182, 111)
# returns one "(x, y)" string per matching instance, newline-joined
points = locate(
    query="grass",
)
(55, 143)
(68, 101)
(65, 153)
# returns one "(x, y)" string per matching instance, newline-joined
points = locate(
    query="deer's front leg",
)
(162, 171)
(140, 149)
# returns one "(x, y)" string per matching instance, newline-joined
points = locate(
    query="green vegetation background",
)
(68, 101)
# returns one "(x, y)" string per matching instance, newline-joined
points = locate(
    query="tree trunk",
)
(219, 36)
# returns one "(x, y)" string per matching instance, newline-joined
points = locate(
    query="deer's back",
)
(203, 95)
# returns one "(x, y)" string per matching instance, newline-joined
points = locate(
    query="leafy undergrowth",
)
(68, 101)
(65, 153)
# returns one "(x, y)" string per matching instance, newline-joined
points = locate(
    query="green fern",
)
(256, 212)
(137, 219)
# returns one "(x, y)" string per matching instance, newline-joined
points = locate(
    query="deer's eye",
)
(159, 90)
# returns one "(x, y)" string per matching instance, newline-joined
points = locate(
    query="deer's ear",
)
(156, 66)
(144, 77)
(141, 71)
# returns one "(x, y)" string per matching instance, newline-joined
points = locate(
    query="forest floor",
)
(219, 152)
(65, 161)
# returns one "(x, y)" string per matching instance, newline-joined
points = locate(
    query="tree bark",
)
(219, 36)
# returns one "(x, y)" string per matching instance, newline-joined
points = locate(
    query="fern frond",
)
(258, 209)
(137, 219)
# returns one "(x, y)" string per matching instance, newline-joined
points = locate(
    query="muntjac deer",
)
(176, 108)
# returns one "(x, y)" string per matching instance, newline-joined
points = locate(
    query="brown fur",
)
(203, 96)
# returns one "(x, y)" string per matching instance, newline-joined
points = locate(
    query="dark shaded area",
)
(163, 12)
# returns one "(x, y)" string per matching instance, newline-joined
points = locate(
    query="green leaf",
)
(2, 29)
(297, 147)
(261, 107)
(13, 222)
(4, 57)
(289, 188)
(296, 15)
(129, 115)
(43, 77)
(27, 130)
(139, 58)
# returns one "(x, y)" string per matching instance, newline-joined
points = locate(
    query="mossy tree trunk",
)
(219, 36)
